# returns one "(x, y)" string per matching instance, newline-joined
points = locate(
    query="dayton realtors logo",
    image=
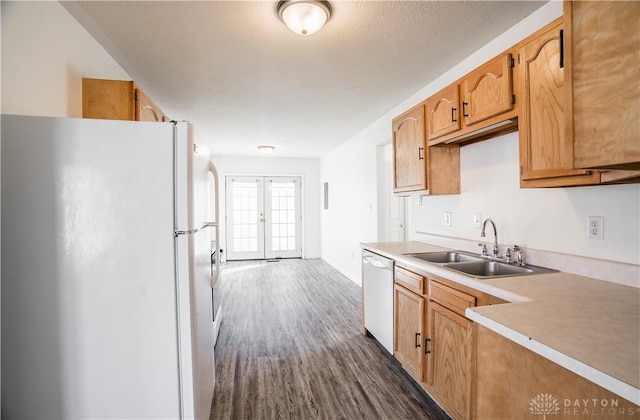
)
(547, 404)
(544, 404)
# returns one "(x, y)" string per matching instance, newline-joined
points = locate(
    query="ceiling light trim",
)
(304, 17)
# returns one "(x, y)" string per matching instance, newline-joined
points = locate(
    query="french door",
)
(263, 217)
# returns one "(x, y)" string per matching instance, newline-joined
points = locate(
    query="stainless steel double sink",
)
(477, 266)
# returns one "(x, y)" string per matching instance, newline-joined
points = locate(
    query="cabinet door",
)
(146, 109)
(450, 354)
(488, 90)
(408, 330)
(409, 151)
(443, 112)
(546, 153)
(603, 88)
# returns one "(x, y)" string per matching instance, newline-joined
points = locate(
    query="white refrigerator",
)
(107, 229)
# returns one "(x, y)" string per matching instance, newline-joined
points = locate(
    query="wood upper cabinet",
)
(146, 109)
(118, 100)
(410, 168)
(418, 168)
(488, 90)
(450, 348)
(546, 152)
(479, 106)
(408, 330)
(603, 91)
(443, 112)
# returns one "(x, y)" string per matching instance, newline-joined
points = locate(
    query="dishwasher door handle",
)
(374, 261)
(377, 261)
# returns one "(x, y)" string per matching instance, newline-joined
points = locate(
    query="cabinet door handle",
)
(453, 114)
(426, 346)
(464, 109)
(561, 48)
(420, 155)
(417, 342)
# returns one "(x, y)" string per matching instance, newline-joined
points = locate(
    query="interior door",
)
(392, 211)
(264, 217)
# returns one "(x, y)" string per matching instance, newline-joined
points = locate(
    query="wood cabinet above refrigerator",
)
(118, 100)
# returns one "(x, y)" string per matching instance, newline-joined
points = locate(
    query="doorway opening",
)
(392, 217)
(264, 217)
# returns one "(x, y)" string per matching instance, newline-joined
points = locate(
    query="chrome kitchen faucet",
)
(495, 252)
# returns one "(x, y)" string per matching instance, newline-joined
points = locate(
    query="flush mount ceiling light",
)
(304, 17)
(266, 150)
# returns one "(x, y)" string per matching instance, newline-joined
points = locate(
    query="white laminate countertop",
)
(589, 326)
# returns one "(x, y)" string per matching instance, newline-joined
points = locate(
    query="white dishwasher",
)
(377, 283)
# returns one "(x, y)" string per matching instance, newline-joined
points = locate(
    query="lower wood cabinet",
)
(408, 330)
(433, 340)
(515, 383)
(449, 358)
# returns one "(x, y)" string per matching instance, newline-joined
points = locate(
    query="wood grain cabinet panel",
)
(443, 112)
(450, 370)
(603, 57)
(409, 279)
(488, 90)
(479, 106)
(510, 378)
(146, 109)
(118, 100)
(408, 330)
(546, 152)
(453, 299)
(418, 168)
(409, 151)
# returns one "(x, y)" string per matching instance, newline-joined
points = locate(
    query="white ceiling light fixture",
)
(304, 17)
(266, 150)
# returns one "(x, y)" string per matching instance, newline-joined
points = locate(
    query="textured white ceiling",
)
(244, 79)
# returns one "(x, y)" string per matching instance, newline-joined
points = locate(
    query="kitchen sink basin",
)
(477, 266)
(442, 257)
(489, 269)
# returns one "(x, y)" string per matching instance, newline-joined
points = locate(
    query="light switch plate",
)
(477, 220)
(447, 218)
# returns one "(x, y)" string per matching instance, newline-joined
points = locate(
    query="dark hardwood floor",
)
(290, 348)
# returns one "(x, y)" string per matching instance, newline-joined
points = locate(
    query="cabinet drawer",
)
(450, 298)
(409, 280)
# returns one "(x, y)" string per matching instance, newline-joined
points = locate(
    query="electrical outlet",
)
(595, 225)
(419, 200)
(447, 218)
(477, 220)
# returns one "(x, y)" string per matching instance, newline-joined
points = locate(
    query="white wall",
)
(309, 169)
(552, 219)
(352, 216)
(546, 219)
(45, 55)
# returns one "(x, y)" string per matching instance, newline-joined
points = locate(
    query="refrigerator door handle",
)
(216, 222)
(193, 231)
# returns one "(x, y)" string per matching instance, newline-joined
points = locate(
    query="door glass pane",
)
(245, 216)
(282, 216)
